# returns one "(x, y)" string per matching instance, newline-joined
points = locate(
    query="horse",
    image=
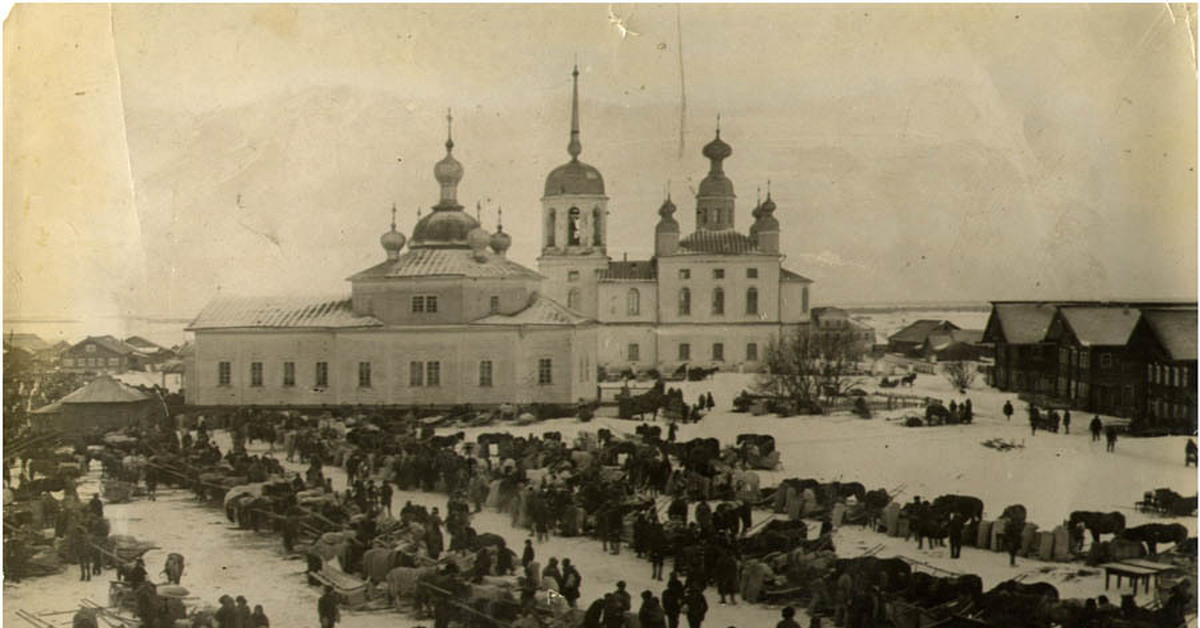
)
(1154, 533)
(969, 508)
(1098, 522)
(908, 380)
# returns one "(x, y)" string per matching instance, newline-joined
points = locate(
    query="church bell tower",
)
(574, 225)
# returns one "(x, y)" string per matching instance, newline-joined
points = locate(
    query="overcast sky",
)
(155, 155)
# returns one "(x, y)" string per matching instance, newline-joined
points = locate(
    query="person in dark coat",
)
(1189, 453)
(1111, 435)
(570, 582)
(594, 616)
(789, 618)
(651, 614)
(614, 612)
(1095, 426)
(527, 556)
(327, 608)
(1008, 410)
(1033, 420)
(1066, 421)
(708, 402)
(954, 530)
(697, 607)
(727, 577)
(137, 574)
(259, 618)
(672, 600)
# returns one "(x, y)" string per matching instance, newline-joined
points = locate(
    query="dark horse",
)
(1154, 533)
(1099, 522)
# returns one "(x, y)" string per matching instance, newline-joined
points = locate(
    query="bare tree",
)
(810, 368)
(960, 374)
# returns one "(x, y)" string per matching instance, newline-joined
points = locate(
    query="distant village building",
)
(101, 354)
(101, 405)
(955, 345)
(836, 323)
(911, 340)
(28, 342)
(715, 297)
(1127, 359)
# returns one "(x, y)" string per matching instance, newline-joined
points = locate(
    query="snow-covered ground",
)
(1052, 475)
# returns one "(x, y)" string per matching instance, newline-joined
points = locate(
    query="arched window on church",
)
(718, 302)
(597, 227)
(633, 302)
(573, 218)
(573, 299)
(752, 300)
(685, 302)
(550, 229)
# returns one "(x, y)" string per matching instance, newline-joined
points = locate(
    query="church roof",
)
(280, 313)
(446, 262)
(787, 275)
(722, 242)
(629, 271)
(574, 177)
(541, 311)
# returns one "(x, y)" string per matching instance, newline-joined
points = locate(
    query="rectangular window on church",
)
(685, 351)
(364, 374)
(485, 374)
(634, 352)
(494, 305)
(224, 374)
(752, 352)
(418, 305)
(718, 273)
(572, 275)
(718, 352)
(289, 373)
(685, 273)
(431, 304)
(416, 374)
(256, 378)
(545, 371)
(322, 375)
(751, 273)
(433, 373)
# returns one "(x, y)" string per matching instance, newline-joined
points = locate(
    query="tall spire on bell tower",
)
(574, 147)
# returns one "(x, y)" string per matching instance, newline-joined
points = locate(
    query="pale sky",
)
(155, 155)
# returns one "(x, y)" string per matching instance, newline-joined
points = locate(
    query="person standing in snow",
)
(1066, 421)
(1111, 435)
(1096, 426)
(1008, 410)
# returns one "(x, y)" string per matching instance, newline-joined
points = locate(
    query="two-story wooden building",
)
(100, 355)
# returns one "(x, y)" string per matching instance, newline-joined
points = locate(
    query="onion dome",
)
(667, 222)
(478, 239)
(393, 240)
(765, 221)
(448, 171)
(716, 183)
(447, 226)
(574, 177)
(500, 241)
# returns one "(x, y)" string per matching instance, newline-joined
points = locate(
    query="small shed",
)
(103, 404)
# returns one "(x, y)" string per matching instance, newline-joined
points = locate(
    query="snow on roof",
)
(138, 342)
(1101, 326)
(102, 390)
(939, 340)
(787, 275)
(432, 262)
(1175, 330)
(541, 311)
(919, 330)
(1024, 323)
(280, 312)
(723, 242)
(28, 342)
